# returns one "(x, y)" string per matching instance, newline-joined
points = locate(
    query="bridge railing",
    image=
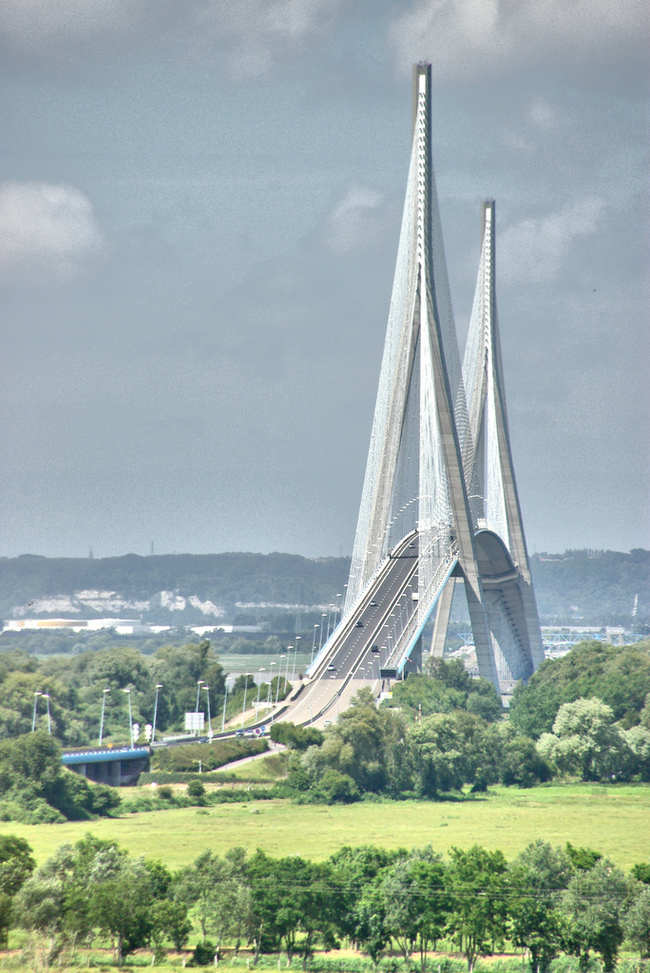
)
(411, 632)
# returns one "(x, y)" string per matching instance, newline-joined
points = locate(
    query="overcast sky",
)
(199, 211)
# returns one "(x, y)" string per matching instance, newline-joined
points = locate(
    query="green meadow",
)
(614, 820)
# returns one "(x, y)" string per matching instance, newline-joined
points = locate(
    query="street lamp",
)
(36, 695)
(128, 693)
(223, 718)
(159, 686)
(269, 691)
(101, 724)
(198, 690)
(49, 721)
(313, 644)
(295, 658)
(243, 712)
(289, 648)
(259, 689)
(210, 733)
(277, 694)
(322, 629)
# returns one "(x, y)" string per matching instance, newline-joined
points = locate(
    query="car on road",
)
(373, 604)
(359, 624)
(331, 667)
(375, 648)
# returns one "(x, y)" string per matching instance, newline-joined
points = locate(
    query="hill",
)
(574, 587)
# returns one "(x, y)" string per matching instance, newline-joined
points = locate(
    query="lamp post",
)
(259, 689)
(269, 692)
(49, 721)
(289, 648)
(210, 733)
(223, 718)
(155, 712)
(277, 694)
(198, 690)
(243, 712)
(295, 658)
(101, 724)
(313, 644)
(322, 629)
(339, 608)
(128, 693)
(36, 695)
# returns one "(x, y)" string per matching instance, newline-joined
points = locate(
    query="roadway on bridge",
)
(362, 642)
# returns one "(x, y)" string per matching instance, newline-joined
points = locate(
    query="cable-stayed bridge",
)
(439, 505)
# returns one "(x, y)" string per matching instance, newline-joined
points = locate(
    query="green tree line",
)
(546, 902)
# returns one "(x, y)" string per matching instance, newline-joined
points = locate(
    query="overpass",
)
(116, 766)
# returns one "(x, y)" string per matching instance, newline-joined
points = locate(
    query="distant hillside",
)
(189, 588)
(578, 586)
(592, 587)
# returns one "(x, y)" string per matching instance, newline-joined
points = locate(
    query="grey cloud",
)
(250, 34)
(467, 38)
(534, 250)
(357, 221)
(47, 232)
(255, 33)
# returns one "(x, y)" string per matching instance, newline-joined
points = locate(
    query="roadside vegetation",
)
(71, 689)
(443, 731)
(442, 734)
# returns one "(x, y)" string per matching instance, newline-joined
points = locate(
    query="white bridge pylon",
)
(439, 462)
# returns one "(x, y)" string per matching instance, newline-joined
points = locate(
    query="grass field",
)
(613, 820)
(236, 665)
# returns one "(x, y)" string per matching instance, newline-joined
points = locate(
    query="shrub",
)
(196, 789)
(204, 953)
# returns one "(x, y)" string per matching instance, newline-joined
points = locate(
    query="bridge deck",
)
(350, 661)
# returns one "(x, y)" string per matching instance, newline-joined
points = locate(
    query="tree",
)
(582, 859)
(336, 788)
(433, 903)
(641, 872)
(215, 890)
(586, 742)
(372, 930)
(40, 904)
(354, 870)
(450, 672)
(595, 902)
(617, 675)
(169, 921)
(195, 887)
(368, 745)
(439, 756)
(452, 750)
(401, 912)
(120, 906)
(416, 903)
(296, 737)
(636, 923)
(16, 863)
(477, 889)
(536, 879)
(638, 740)
(521, 764)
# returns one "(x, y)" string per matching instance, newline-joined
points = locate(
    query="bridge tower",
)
(423, 457)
